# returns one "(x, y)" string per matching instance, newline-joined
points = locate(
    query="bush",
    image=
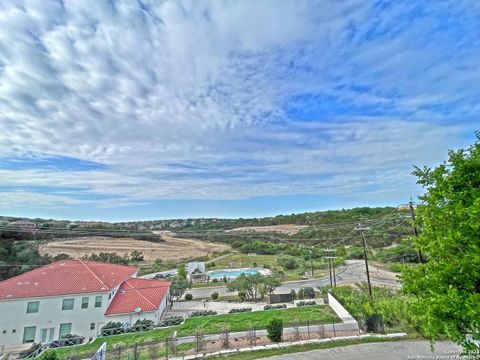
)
(307, 292)
(294, 294)
(142, 325)
(287, 262)
(70, 340)
(188, 296)
(306, 303)
(171, 321)
(136, 256)
(239, 310)
(112, 328)
(214, 295)
(275, 329)
(215, 280)
(202, 313)
(396, 267)
(274, 307)
(49, 355)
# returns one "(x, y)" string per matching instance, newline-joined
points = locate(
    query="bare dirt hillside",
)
(289, 229)
(172, 249)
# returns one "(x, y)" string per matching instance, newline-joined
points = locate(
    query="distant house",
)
(75, 297)
(196, 270)
(23, 225)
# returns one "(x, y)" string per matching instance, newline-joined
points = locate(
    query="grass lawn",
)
(210, 325)
(258, 319)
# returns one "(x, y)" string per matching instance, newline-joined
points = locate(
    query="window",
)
(92, 326)
(29, 334)
(32, 307)
(98, 301)
(4, 331)
(65, 329)
(85, 303)
(67, 304)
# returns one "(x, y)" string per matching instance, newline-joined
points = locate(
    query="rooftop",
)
(138, 295)
(66, 277)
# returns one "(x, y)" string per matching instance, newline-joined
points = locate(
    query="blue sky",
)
(123, 110)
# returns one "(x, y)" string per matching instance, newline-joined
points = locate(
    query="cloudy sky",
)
(147, 109)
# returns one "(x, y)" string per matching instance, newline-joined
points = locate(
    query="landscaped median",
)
(210, 325)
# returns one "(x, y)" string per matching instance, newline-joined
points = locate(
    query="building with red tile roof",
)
(76, 297)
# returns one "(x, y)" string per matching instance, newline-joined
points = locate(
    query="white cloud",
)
(205, 83)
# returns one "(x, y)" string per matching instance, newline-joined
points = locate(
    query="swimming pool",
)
(220, 274)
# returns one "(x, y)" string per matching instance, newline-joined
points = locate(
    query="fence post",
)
(196, 347)
(135, 352)
(255, 335)
(334, 334)
(166, 347)
(308, 329)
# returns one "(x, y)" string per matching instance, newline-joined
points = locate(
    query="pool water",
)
(230, 274)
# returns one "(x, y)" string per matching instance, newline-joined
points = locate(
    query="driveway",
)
(400, 350)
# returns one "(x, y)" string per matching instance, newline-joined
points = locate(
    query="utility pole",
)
(331, 266)
(311, 264)
(362, 230)
(415, 232)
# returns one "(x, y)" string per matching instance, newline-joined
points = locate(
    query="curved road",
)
(353, 272)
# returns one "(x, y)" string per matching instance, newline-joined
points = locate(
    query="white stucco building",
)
(75, 297)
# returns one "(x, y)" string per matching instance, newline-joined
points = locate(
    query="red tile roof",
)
(144, 294)
(66, 277)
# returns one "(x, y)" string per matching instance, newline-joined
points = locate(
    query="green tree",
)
(275, 329)
(447, 287)
(136, 255)
(287, 262)
(182, 271)
(178, 287)
(270, 283)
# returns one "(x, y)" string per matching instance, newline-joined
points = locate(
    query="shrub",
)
(49, 355)
(287, 262)
(112, 328)
(274, 307)
(171, 321)
(396, 267)
(136, 255)
(188, 296)
(70, 340)
(202, 313)
(294, 294)
(214, 295)
(142, 325)
(215, 280)
(307, 292)
(275, 329)
(306, 303)
(239, 310)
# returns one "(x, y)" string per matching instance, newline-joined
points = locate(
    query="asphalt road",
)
(353, 272)
(399, 350)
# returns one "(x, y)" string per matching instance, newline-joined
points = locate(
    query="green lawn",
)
(210, 325)
(258, 319)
